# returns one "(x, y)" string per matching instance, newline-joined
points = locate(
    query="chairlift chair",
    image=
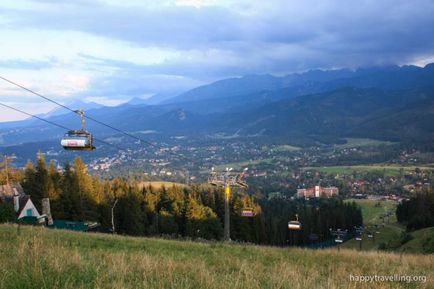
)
(294, 225)
(247, 212)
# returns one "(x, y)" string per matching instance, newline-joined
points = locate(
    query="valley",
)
(217, 144)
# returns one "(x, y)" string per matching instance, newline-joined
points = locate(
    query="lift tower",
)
(227, 179)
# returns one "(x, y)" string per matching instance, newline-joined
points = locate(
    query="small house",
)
(23, 205)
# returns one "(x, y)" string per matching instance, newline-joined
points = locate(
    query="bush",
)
(405, 237)
(7, 213)
(428, 245)
(382, 246)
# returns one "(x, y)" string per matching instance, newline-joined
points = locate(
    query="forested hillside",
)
(195, 211)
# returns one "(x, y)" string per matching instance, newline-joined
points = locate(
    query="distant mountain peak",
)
(138, 100)
(75, 105)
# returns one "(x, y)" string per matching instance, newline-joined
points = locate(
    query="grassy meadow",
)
(388, 170)
(391, 233)
(362, 142)
(43, 258)
(422, 239)
(372, 210)
(160, 184)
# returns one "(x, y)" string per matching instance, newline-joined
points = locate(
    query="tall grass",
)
(42, 258)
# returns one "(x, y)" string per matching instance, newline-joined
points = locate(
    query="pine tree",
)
(202, 221)
(87, 208)
(29, 181)
(129, 215)
(53, 182)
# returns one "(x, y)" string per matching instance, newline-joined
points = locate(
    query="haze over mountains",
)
(388, 103)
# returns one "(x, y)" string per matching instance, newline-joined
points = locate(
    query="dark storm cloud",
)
(345, 32)
(253, 37)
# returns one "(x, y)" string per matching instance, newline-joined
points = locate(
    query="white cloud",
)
(35, 44)
(7, 114)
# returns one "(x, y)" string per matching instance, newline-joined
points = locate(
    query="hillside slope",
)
(41, 258)
(423, 241)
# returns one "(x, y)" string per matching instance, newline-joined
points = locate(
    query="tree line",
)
(195, 211)
(418, 211)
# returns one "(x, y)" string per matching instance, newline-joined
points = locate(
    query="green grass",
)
(287, 148)
(160, 184)
(388, 170)
(43, 258)
(390, 234)
(423, 241)
(372, 210)
(361, 142)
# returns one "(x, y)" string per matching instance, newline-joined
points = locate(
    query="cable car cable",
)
(90, 118)
(55, 124)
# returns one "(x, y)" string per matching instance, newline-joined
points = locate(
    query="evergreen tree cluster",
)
(418, 211)
(127, 207)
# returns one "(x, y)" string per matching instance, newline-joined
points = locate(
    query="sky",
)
(111, 51)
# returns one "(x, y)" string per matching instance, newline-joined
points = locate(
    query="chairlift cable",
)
(90, 118)
(55, 124)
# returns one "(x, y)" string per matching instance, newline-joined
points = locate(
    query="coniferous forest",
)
(195, 211)
(418, 211)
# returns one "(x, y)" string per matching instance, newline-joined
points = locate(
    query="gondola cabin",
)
(294, 225)
(77, 140)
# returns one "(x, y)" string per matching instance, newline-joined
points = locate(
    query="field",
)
(361, 142)
(372, 210)
(389, 170)
(287, 148)
(159, 184)
(43, 258)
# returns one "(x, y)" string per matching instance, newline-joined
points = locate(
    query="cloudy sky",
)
(110, 51)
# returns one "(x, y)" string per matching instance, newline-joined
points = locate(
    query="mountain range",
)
(393, 103)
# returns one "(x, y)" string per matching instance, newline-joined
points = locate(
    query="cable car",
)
(78, 139)
(294, 225)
